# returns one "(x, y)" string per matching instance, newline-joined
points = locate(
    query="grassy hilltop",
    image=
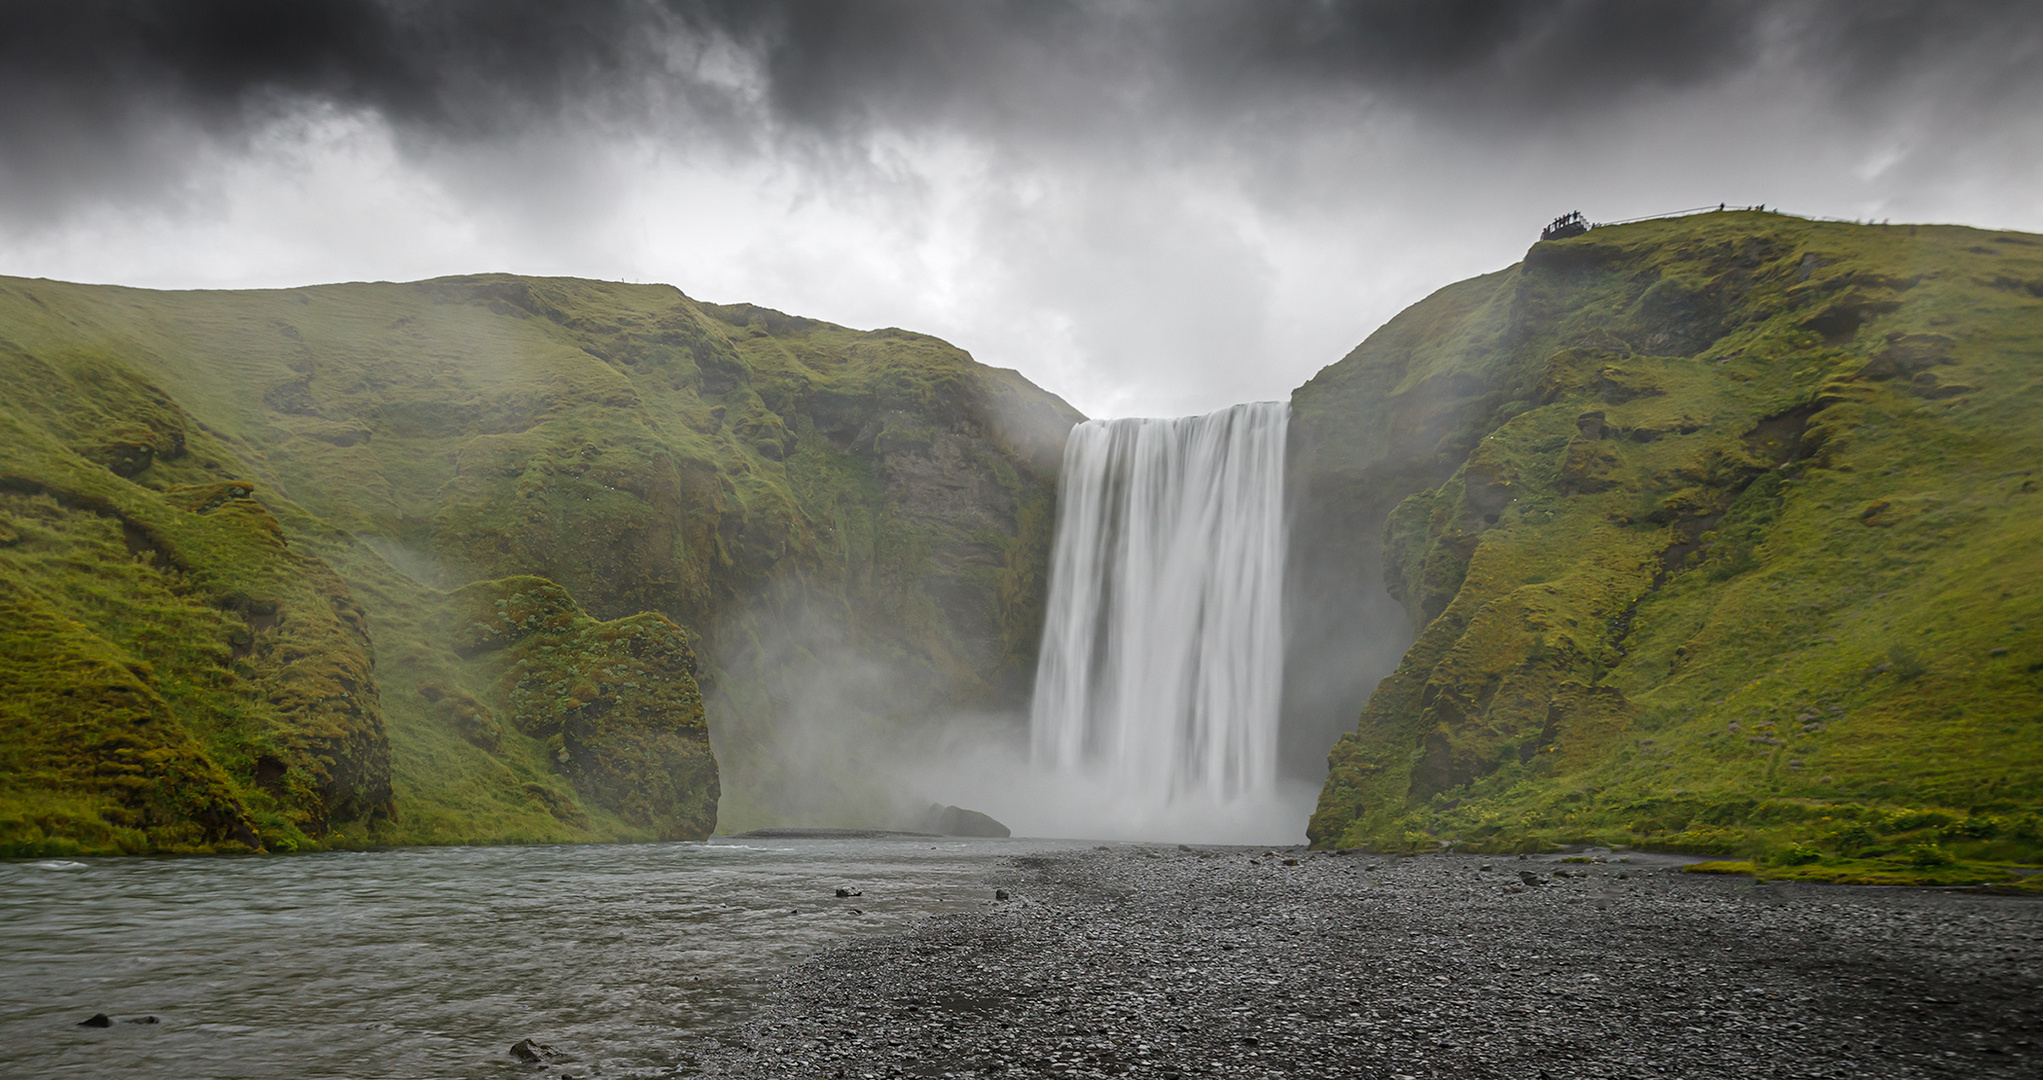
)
(1719, 534)
(434, 562)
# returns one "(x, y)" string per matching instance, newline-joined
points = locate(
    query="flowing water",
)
(1163, 653)
(431, 962)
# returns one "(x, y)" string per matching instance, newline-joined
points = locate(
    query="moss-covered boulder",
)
(1722, 542)
(615, 702)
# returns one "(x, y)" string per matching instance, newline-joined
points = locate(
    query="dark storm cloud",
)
(1081, 64)
(111, 98)
(460, 66)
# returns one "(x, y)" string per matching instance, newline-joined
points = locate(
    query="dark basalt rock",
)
(958, 821)
(99, 1020)
(536, 1052)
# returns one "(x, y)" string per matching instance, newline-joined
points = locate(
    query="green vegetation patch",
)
(1734, 555)
(615, 703)
(168, 639)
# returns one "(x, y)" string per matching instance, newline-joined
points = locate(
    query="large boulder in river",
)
(958, 821)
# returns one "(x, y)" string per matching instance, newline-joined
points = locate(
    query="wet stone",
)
(535, 1052)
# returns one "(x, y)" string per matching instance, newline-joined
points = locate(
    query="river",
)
(432, 962)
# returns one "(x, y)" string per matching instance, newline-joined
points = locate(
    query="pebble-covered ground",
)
(1167, 962)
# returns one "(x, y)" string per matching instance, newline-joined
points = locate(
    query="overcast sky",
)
(1149, 208)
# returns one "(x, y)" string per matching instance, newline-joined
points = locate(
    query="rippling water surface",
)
(431, 962)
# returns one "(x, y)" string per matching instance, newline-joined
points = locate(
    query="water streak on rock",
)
(1163, 644)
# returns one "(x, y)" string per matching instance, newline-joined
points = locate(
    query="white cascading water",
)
(1163, 646)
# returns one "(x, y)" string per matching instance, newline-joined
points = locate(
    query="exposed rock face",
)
(1634, 499)
(278, 485)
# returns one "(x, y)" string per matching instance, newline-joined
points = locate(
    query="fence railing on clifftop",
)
(1573, 223)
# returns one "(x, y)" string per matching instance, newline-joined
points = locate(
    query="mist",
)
(816, 726)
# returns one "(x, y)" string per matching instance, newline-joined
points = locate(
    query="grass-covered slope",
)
(173, 675)
(1718, 534)
(252, 518)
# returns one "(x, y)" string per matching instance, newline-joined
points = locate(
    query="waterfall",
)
(1163, 643)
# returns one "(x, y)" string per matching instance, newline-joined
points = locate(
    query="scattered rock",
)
(1000, 894)
(846, 893)
(144, 1020)
(1128, 965)
(1905, 356)
(1530, 878)
(536, 1052)
(96, 1020)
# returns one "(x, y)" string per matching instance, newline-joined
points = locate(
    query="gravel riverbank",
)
(1168, 962)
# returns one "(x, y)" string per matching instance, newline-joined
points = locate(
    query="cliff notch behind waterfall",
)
(1719, 534)
(445, 561)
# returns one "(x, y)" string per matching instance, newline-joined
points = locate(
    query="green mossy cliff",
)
(1719, 534)
(431, 562)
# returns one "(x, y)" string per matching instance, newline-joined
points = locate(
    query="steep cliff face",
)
(1397, 415)
(282, 488)
(1716, 534)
